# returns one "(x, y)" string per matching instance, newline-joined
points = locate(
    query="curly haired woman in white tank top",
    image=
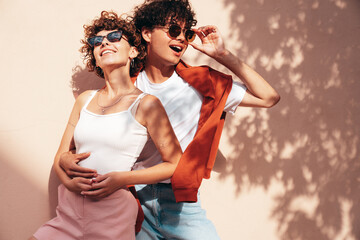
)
(110, 127)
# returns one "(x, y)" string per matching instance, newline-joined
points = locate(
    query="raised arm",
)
(152, 115)
(259, 92)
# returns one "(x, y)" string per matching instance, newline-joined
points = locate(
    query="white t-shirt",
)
(182, 104)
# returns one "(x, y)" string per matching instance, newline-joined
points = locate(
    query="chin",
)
(175, 61)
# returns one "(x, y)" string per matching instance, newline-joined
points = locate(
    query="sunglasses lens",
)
(95, 41)
(174, 31)
(190, 35)
(114, 36)
(98, 40)
(91, 41)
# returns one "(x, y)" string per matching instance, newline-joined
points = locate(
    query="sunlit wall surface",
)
(289, 172)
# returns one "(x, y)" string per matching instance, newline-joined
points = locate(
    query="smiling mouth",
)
(176, 48)
(106, 52)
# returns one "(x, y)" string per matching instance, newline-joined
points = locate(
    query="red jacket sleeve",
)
(199, 157)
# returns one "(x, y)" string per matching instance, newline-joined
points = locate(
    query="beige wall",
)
(290, 172)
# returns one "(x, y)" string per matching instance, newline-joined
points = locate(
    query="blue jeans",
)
(166, 219)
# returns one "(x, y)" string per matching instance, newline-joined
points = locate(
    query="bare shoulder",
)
(150, 103)
(150, 109)
(83, 97)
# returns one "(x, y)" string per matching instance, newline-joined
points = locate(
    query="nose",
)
(181, 37)
(105, 42)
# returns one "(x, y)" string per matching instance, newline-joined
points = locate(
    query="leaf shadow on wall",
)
(308, 143)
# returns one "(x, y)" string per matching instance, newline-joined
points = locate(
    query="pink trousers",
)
(81, 217)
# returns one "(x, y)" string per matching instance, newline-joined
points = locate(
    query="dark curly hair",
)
(160, 12)
(111, 21)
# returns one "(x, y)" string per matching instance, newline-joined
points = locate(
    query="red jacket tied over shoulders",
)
(198, 159)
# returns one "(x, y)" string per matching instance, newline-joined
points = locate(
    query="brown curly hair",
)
(109, 20)
(159, 12)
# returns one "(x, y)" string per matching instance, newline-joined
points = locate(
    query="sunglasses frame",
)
(175, 32)
(97, 40)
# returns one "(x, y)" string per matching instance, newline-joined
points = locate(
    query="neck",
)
(117, 82)
(157, 72)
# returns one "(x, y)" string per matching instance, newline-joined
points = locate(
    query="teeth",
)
(176, 48)
(107, 51)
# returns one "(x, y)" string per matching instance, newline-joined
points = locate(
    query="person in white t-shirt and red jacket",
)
(195, 100)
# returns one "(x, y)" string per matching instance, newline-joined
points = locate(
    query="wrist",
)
(221, 56)
(123, 179)
(68, 184)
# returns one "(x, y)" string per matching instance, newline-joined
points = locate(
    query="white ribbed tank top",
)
(114, 140)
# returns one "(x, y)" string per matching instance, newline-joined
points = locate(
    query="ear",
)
(133, 52)
(146, 34)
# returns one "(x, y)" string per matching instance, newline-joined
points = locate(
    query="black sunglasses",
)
(112, 37)
(175, 30)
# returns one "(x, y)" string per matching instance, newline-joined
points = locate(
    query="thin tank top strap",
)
(134, 106)
(89, 99)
